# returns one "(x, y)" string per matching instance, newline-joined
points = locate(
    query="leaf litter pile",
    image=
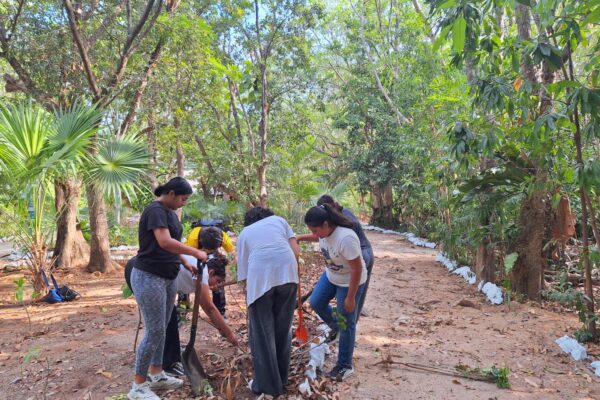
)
(231, 368)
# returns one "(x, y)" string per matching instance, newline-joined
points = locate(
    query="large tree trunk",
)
(383, 201)
(100, 247)
(71, 249)
(534, 221)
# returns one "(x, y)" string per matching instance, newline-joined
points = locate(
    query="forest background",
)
(472, 123)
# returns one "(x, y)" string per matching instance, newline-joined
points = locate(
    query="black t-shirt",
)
(151, 257)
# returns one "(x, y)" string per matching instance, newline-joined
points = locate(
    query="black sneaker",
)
(332, 336)
(340, 373)
(176, 370)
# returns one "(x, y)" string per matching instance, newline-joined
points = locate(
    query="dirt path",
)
(413, 315)
(83, 350)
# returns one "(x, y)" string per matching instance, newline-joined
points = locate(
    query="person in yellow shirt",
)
(192, 240)
(218, 296)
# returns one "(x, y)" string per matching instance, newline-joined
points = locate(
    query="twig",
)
(245, 311)
(137, 332)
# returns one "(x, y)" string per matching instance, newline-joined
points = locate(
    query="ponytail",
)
(327, 199)
(317, 215)
(178, 185)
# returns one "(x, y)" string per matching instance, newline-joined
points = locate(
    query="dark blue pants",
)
(369, 261)
(319, 300)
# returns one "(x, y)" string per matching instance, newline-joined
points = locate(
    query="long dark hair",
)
(317, 215)
(178, 185)
(217, 262)
(256, 214)
(328, 199)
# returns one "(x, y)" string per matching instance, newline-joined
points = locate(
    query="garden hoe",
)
(191, 364)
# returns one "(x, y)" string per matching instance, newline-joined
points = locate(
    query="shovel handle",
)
(196, 308)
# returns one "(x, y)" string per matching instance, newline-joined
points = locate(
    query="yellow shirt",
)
(192, 240)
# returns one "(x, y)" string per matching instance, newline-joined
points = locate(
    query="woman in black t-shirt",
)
(153, 283)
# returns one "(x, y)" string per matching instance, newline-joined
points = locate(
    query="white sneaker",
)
(142, 392)
(164, 381)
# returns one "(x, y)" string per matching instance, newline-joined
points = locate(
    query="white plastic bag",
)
(572, 346)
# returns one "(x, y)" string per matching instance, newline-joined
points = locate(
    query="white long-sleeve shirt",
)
(265, 258)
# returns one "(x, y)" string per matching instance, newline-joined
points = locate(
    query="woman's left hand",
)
(191, 268)
(349, 304)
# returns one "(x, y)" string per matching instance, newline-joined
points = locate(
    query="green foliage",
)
(123, 235)
(573, 298)
(33, 353)
(499, 376)
(509, 262)
(119, 165)
(126, 291)
(19, 289)
(340, 319)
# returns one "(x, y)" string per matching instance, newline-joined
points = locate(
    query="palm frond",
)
(120, 165)
(24, 131)
(72, 137)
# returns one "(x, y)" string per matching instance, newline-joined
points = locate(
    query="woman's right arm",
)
(294, 245)
(307, 237)
(166, 242)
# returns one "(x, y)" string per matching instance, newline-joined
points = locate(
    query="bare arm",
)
(294, 245)
(355, 274)
(215, 316)
(307, 237)
(166, 242)
(190, 267)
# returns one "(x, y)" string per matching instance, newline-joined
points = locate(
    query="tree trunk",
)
(262, 132)
(71, 249)
(150, 131)
(485, 262)
(383, 212)
(100, 247)
(180, 171)
(528, 272)
(524, 28)
(180, 160)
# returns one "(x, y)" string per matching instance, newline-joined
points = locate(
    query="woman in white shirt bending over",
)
(267, 253)
(344, 279)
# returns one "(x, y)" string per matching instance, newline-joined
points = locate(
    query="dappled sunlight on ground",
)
(85, 348)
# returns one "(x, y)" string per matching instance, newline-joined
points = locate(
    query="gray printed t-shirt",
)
(338, 249)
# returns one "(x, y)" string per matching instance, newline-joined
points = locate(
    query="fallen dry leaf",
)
(106, 374)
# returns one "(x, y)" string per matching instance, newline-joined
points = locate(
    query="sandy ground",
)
(84, 349)
(413, 316)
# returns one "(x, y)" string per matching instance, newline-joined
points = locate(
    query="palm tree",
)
(38, 148)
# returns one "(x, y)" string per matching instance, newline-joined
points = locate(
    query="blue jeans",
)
(323, 292)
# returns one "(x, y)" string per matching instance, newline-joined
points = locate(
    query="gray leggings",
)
(155, 297)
